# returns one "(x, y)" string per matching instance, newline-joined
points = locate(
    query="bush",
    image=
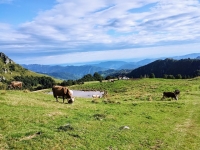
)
(3, 86)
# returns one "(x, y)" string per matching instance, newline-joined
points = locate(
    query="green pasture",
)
(131, 117)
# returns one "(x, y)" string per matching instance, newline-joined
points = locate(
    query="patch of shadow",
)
(106, 101)
(146, 116)
(134, 104)
(99, 116)
(75, 135)
(65, 128)
(29, 137)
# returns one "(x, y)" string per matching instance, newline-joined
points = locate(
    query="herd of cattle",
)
(65, 93)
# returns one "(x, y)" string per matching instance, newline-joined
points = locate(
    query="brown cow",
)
(16, 84)
(62, 91)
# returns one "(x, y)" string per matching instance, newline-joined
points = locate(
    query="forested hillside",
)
(9, 69)
(169, 68)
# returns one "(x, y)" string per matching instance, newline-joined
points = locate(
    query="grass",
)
(132, 116)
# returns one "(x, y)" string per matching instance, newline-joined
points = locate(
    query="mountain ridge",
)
(160, 68)
(104, 68)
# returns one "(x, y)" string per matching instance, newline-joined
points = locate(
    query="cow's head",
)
(176, 92)
(71, 100)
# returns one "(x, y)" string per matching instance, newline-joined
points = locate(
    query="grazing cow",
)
(171, 94)
(15, 84)
(96, 96)
(62, 91)
(111, 80)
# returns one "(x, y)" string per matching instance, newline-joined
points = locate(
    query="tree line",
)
(95, 77)
(33, 82)
(37, 83)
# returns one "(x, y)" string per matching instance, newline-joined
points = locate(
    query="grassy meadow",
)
(131, 117)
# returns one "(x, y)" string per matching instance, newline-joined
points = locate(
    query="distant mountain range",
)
(64, 72)
(104, 68)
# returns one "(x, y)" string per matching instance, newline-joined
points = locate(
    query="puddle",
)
(85, 94)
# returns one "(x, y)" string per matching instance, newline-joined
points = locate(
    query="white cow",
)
(96, 96)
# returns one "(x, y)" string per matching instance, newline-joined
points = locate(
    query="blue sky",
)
(82, 31)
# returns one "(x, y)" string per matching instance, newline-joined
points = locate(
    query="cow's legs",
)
(163, 97)
(56, 98)
(63, 99)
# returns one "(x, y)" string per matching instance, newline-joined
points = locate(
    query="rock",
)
(5, 58)
(124, 127)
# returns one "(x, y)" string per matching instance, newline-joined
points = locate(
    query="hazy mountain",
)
(75, 71)
(134, 65)
(192, 56)
(118, 65)
(110, 64)
(63, 75)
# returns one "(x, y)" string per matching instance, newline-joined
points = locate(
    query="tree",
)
(165, 76)
(12, 67)
(170, 77)
(97, 77)
(109, 77)
(152, 75)
(197, 73)
(87, 77)
(178, 76)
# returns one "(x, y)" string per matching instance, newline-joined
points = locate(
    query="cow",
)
(62, 91)
(15, 84)
(111, 80)
(171, 94)
(96, 96)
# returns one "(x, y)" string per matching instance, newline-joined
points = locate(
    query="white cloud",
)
(135, 54)
(88, 26)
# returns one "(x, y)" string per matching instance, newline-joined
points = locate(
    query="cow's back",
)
(61, 91)
(58, 91)
(15, 84)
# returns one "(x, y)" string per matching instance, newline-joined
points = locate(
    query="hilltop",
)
(10, 71)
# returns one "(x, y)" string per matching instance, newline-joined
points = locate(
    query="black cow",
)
(171, 94)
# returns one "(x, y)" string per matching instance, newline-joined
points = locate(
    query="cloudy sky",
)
(81, 31)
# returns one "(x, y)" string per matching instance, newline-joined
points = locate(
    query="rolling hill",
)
(10, 71)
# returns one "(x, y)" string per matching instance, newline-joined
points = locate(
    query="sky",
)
(52, 32)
